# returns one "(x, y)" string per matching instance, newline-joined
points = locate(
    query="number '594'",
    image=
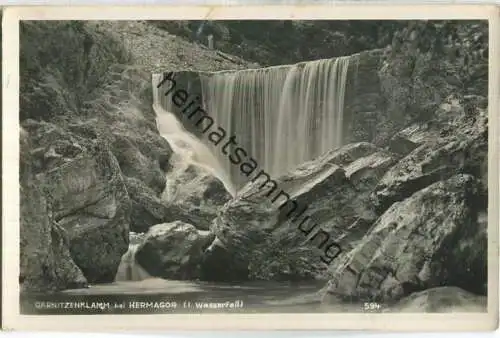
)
(371, 306)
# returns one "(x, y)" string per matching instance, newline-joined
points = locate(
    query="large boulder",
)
(148, 209)
(45, 260)
(89, 200)
(241, 225)
(430, 239)
(195, 192)
(463, 148)
(441, 300)
(291, 230)
(173, 250)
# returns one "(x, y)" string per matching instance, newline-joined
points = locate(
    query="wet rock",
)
(441, 300)
(45, 260)
(241, 225)
(430, 239)
(144, 158)
(464, 150)
(173, 250)
(220, 264)
(89, 200)
(197, 209)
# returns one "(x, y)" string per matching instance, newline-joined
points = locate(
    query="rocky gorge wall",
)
(404, 197)
(93, 164)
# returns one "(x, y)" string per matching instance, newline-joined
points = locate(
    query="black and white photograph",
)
(219, 166)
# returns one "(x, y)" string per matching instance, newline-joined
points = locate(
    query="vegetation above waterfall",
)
(274, 42)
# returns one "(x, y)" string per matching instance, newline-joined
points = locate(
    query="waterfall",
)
(282, 115)
(129, 269)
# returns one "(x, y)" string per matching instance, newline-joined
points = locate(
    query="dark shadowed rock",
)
(221, 264)
(430, 239)
(441, 300)
(90, 202)
(464, 150)
(173, 250)
(45, 260)
(146, 208)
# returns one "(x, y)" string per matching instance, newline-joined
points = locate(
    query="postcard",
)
(250, 167)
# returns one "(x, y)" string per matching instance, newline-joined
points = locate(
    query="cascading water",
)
(129, 270)
(283, 115)
(187, 148)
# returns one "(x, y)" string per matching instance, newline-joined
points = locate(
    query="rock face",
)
(441, 300)
(464, 150)
(143, 161)
(430, 239)
(45, 260)
(90, 201)
(173, 250)
(84, 188)
(410, 138)
(192, 197)
(283, 240)
(147, 209)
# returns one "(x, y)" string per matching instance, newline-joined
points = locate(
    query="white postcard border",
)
(393, 322)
